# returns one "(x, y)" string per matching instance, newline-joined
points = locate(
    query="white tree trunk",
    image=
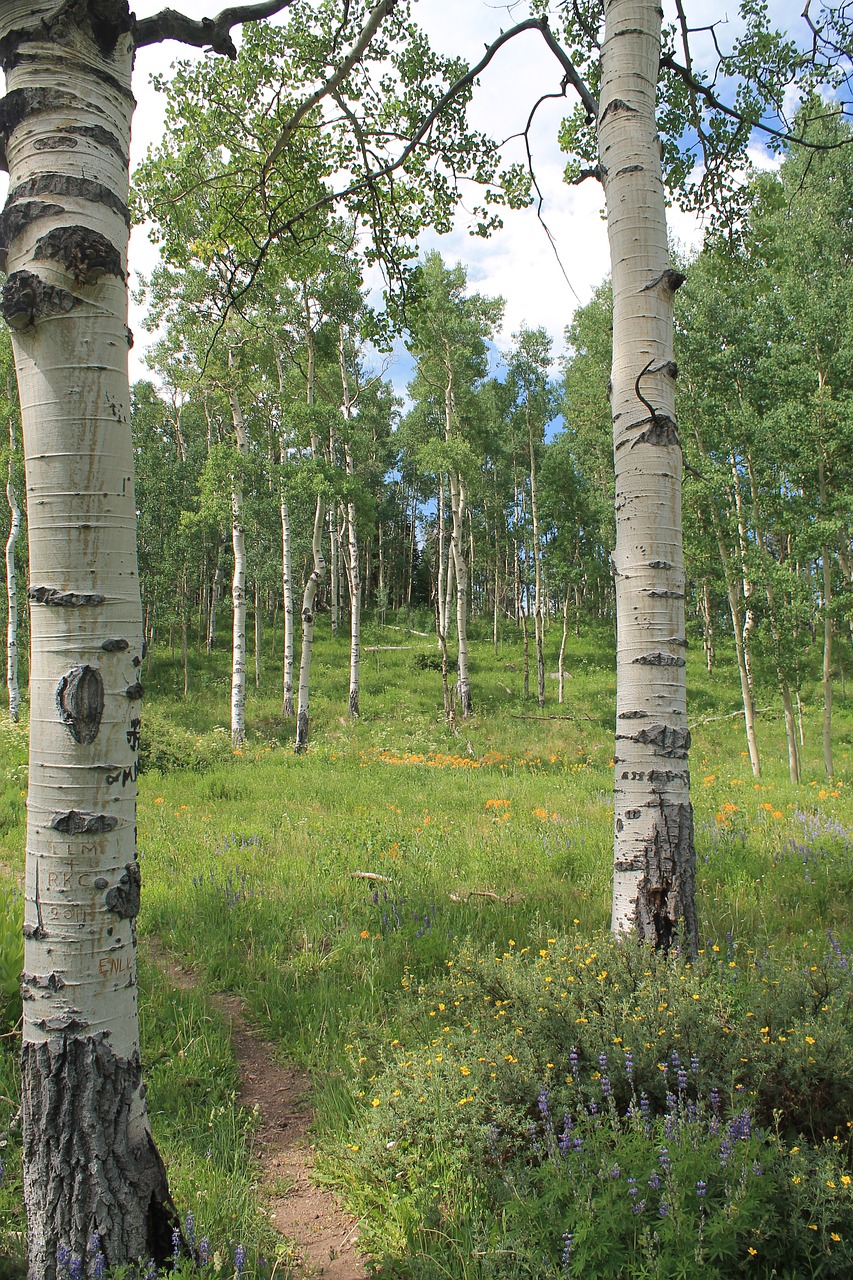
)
(537, 567)
(316, 576)
(90, 1164)
(287, 590)
(561, 668)
(441, 574)
(460, 573)
(238, 582)
(654, 880)
(12, 593)
(351, 557)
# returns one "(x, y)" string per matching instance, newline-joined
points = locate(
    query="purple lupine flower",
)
(701, 1188)
(757, 1169)
(573, 1062)
(63, 1257)
(239, 1260)
(614, 1172)
(694, 1064)
(99, 1266)
(189, 1228)
(629, 1065)
(566, 1135)
(682, 1079)
(543, 1103)
(654, 1180)
(566, 1255)
(176, 1242)
(638, 1207)
(725, 1152)
(715, 1101)
(663, 1209)
(602, 1061)
(204, 1251)
(577, 1145)
(645, 1109)
(606, 1090)
(632, 1186)
(75, 1270)
(664, 1160)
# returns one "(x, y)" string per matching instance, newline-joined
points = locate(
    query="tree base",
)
(90, 1164)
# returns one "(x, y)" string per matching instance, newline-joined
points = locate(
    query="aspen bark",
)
(826, 565)
(654, 879)
(238, 582)
(12, 593)
(316, 576)
(90, 1164)
(351, 557)
(287, 592)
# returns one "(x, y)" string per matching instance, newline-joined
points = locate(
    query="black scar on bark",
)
(666, 739)
(134, 691)
(80, 702)
(16, 218)
(73, 823)
(65, 184)
(615, 104)
(55, 142)
(20, 103)
(115, 646)
(96, 133)
(659, 430)
(76, 68)
(64, 599)
(671, 279)
(659, 660)
(25, 299)
(666, 906)
(78, 1091)
(124, 897)
(85, 254)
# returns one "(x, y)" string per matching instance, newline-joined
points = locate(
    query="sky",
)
(518, 263)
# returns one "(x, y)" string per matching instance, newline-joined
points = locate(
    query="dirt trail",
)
(325, 1237)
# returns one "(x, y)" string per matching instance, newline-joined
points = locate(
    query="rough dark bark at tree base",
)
(666, 899)
(90, 1167)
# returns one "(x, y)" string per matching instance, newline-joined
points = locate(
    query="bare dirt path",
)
(325, 1237)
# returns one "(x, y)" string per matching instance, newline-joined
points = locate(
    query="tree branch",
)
(208, 33)
(380, 11)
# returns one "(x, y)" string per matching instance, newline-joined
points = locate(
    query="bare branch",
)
(208, 33)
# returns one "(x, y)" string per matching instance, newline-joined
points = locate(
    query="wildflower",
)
(189, 1228)
(568, 1245)
(176, 1242)
(701, 1188)
(204, 1251)
(239, 1260)
(833, 1235)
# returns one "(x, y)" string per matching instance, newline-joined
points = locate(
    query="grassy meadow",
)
(419, 917)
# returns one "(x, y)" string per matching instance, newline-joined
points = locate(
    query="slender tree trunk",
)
(537, 569)
(351, 558)
(526, 650)
(258, 636)
(654, 880)
(827, 631)
(89, 1161)
(185, 662)
(315, 578)
(289, 612)
(748, 613)
(238, 584)
(733, 592)
(707, 626)
(441, 574)
(12, 591)
(215, 588)
(460, 573)
(561, 670)
(773, 620)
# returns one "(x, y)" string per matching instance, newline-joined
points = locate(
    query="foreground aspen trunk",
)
(90, 1165)
(654, 880)
(12, 592)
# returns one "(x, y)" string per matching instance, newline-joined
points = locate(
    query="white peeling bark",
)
(315, 578)
(351, 557)
(12, 592)
(287, 591)
(653, 893)
(90, 1164)
(238, 582)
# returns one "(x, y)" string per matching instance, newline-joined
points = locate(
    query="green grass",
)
(494, 842)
